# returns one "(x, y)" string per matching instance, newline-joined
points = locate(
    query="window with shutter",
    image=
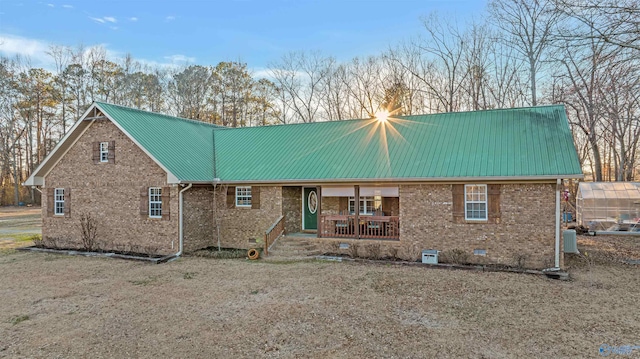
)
(476, 203)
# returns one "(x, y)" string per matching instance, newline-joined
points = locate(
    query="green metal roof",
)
(523, 143)
(184, 147)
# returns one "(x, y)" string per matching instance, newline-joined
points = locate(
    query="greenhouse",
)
(609, 206)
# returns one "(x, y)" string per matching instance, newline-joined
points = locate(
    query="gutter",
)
(558, 187)
(180, 224)
(447, 180)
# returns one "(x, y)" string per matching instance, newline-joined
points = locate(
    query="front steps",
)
(292, 248)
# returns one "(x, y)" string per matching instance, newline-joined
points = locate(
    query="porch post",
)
(319, 211)
(356, 205)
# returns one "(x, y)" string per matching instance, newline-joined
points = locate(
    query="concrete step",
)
(288, 248)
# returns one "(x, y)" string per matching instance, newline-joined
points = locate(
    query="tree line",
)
(523, 53)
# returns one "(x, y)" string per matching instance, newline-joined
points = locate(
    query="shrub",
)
(454, 256)
(373, 251)
(410, 252)
(393, 253)
(89, 230)
(353, 249)
(38, 241)
(520, 260)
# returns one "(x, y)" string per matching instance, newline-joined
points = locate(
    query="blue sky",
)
(207, 32)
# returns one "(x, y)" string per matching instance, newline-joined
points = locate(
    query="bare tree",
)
(528, 26)
(301, 76)
(614, 21)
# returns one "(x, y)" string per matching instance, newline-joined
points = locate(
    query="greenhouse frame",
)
(609, 206)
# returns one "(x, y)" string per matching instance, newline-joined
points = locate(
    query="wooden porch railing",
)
(370, 227)
(275, 231)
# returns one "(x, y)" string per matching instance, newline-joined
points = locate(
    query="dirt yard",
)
(60, 306)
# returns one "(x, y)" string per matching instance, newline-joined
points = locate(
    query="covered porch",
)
(356, 212)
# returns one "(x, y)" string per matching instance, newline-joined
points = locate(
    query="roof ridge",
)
(392, 117)
(162, 114)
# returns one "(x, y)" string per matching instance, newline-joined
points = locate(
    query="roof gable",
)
(182, 147)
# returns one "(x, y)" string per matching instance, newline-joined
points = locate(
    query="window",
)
(368, 205)
(475, 202)
(243, 196)
(58, 200)
(155, 202)
(104, 151)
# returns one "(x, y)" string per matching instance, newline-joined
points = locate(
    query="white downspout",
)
(558, 187)
(180, 226)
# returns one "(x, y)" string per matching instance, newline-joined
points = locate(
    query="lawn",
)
(61, 306)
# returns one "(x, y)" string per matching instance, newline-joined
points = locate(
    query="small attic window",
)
(104, 151)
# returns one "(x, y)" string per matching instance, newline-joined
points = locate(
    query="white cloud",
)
(178, 59)
(113, 27)
(261, 73)
(36, 51)
(97, 19)
(11, 45)
(133, 19)
(104, 19)
(170, 18)
(67, 6)
(51, 5)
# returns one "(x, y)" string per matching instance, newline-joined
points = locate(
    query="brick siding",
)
(526, 228)
(239, 226)
(198, 225)
(292, 209)
(110, 192)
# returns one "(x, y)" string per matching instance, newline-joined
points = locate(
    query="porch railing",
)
(369, 227)
(275, 231)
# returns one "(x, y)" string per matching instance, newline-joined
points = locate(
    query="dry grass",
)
(619, 247)
(198, 307)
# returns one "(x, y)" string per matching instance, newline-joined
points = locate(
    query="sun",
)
(382, 115)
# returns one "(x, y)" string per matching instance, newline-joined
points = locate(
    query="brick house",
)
(486, 183)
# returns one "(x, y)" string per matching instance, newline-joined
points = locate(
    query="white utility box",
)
(430, 256)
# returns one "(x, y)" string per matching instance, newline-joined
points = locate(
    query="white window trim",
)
(486, 203)
(56, 200)
(246, 196)
(363, 208)
(104, 152)
(153, 200)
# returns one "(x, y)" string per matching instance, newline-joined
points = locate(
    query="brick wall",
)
(110, 192)
(240, 225)
(330, 205)
(198, 221)
(292, 209)
(527, 225)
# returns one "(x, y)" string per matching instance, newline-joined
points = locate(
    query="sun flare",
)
(382, 115)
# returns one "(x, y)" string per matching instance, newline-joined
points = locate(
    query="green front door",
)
(310, 209)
